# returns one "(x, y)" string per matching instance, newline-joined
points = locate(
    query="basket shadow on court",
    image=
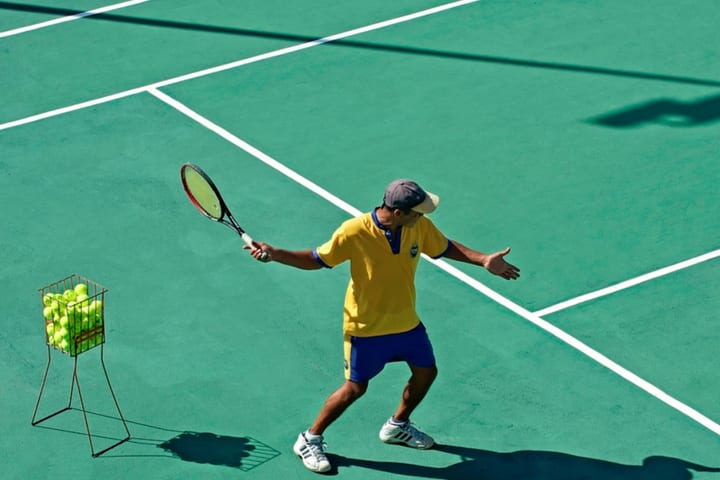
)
(244, 453)
(239, 452)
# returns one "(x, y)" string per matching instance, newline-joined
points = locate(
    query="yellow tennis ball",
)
(69, 294)
(81, 297)
(81, 289)
(96, 310)
(71, 314)
(48, 299)
(48, 312)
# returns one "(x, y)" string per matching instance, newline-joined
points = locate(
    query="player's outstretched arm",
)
(303, 259)
(494, 262)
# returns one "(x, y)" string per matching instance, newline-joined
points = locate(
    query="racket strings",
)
(203, 194)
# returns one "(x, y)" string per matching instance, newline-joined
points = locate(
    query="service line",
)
(627, 283)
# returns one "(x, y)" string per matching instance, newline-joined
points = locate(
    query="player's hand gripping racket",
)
(206, 197)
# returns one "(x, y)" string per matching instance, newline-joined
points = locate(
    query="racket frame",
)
(226, 217)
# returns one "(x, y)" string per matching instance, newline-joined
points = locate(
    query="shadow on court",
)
(244, 453)
(476, 464)
(664, 112)
(150, 22)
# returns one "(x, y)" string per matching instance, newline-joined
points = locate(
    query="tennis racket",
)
(206, 197)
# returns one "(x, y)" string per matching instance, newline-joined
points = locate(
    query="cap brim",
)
(429, 204)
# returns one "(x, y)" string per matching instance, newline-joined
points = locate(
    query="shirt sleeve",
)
(435, 243)
(335, 251)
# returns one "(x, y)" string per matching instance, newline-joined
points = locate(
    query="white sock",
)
(397, 423)
(311, 436)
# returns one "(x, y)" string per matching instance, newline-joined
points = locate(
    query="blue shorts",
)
(365, 357)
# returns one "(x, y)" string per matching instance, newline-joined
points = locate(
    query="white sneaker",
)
(312, 453)
(407, 434)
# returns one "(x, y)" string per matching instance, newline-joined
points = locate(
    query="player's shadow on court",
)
(476, 464)
(664, 112)
(244, 453)
(209, 448)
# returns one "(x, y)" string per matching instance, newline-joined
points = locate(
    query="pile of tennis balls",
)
(73, 322)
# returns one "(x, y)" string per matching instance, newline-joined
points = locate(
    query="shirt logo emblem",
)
(414, 250)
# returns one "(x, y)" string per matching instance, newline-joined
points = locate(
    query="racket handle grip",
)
(247, 239)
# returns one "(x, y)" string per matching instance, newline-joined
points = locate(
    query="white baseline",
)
(69, 18)
(237, 63)
(527, 315)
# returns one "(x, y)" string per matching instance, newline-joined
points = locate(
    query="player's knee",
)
(355, 390)
(424, 374)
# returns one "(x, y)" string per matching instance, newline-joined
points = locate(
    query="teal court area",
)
(584, 135)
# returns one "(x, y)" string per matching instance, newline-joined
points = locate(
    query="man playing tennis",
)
(380, 323)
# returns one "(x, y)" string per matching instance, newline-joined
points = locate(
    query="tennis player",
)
(380, 323)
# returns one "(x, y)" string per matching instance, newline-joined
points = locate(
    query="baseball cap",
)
(407, 195)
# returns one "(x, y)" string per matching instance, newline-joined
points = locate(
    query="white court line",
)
(527, 315)
(238, 63)
(255, 152)
(69, 18)
(627, 284)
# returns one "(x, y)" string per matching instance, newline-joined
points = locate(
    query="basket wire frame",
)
(80, 329)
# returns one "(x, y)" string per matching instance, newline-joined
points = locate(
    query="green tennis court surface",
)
(583, 135)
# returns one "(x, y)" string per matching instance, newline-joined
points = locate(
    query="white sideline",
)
(527, 315)
(627, 283)
(69, 18)
(237, 63)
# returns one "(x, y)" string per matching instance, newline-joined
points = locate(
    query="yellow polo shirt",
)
(380, 298)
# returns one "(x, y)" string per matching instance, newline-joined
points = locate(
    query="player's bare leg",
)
(398, 428)
(337, 403)
(415, 390)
